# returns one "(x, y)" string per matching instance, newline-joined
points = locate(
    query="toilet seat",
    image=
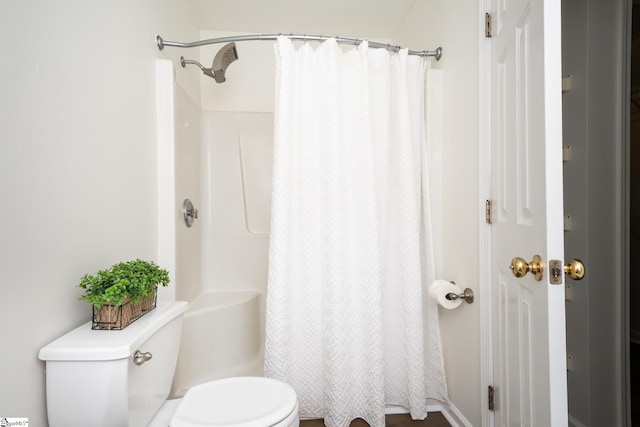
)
(238, 402)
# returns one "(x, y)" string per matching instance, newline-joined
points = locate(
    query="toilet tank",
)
(92, 378)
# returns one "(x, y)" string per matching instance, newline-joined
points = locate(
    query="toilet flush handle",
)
(140, 358)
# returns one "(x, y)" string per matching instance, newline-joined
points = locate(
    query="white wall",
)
(454, 26)
(77, 164)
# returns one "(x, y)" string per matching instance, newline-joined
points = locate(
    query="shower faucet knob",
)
(189, 213)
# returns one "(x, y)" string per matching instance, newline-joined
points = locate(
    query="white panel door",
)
(528, 315)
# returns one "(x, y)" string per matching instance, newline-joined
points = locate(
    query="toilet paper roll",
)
(439, 289)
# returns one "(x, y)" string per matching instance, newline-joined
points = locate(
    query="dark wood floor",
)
(434, 419)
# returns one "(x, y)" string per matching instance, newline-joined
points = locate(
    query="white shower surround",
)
(221, 338)
(225, 232)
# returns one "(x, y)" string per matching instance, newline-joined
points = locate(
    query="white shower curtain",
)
(349, 323)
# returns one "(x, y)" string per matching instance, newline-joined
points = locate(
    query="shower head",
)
(223, 58)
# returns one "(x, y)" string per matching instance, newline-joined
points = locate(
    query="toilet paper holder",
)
(466, 295)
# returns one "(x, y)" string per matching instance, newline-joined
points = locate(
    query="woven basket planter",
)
(110, 317)
(148, 303)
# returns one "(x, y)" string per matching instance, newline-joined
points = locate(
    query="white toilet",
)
(122, 378)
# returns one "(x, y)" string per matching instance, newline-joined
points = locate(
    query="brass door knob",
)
(574, 269)
(520, 267)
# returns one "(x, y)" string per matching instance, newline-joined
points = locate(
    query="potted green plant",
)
(123, 292)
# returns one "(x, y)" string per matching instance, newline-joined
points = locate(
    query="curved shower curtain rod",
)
(437, 54)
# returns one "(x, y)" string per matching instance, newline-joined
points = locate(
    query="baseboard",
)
(450, 412)
(395, 409)
(634, 335)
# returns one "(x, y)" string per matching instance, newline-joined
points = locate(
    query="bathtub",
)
(222, 337)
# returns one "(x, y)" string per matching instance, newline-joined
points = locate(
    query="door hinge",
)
(488, 211)
(488, 25)
(492, 398)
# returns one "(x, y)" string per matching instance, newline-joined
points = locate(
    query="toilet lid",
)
(238, 402)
